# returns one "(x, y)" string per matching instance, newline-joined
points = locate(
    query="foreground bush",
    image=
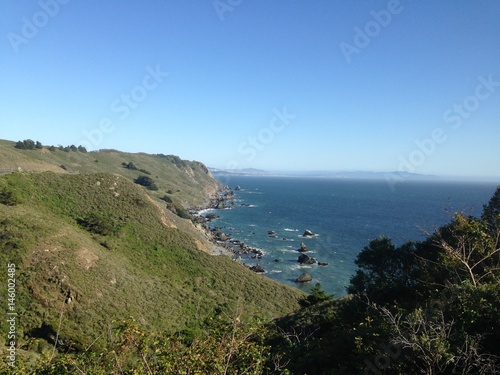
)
(223, 347)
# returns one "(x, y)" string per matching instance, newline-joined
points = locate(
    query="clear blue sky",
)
(277, 85)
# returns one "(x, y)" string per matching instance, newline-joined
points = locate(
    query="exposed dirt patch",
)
(201, 246)
(86, 258)
(163, 217)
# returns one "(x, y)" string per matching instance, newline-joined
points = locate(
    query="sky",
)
(410, 86)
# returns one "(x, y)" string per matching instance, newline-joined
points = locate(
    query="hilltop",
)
(188, 182)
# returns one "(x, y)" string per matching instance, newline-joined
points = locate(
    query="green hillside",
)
(186, 184)
(92, 248)
(190, 182)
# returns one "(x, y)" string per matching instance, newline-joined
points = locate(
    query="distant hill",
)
(398, 176)
(90, 247)
(240, 172)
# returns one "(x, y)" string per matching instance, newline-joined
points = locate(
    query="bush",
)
(99, 223)
(130, 166)
(147, 182)
(167, 199)
(9, 197)
(28, 144)
(317, 295)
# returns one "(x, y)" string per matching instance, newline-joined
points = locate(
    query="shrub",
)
(317, 295)
(147, 182)
(9, 197)
(167, 199)
(99, 223)
(28, 144)
(130, 166)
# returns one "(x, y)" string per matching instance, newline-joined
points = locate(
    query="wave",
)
(290, 230)
(308, 237)
(300, 266)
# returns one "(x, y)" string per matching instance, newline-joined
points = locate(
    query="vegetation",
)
(192, 181)
(427, 308)
(109, 281)
(222, 346)
(93, 249)
(29, 144)
(147, 182)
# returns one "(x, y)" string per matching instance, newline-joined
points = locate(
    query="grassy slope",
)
(148, 266)
(143, 269)
(189, 181)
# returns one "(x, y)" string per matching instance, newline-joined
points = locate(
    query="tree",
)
(147, 182)
(471, 248)
(317, 295)
(27, 144)
(385, 273)
(491, 212)
(20, 145)
(130, 166)
(431, 345)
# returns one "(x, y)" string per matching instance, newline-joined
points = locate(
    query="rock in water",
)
(304, 278)
(257, 268)
(303, 248)
(308, 233)
(305, 259)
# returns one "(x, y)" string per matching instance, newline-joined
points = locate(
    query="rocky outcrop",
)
(305, 259)
(257, 268)
(304, 278)
(272, 234)
(308, 233)
(303, 248)
(322, 264)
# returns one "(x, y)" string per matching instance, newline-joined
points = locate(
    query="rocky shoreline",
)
(225, 245)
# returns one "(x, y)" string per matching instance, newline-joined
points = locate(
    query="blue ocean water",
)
(344, 214)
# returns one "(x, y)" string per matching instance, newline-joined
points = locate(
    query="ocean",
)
(344, 215)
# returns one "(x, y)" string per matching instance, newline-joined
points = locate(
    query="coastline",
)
(222, 244)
